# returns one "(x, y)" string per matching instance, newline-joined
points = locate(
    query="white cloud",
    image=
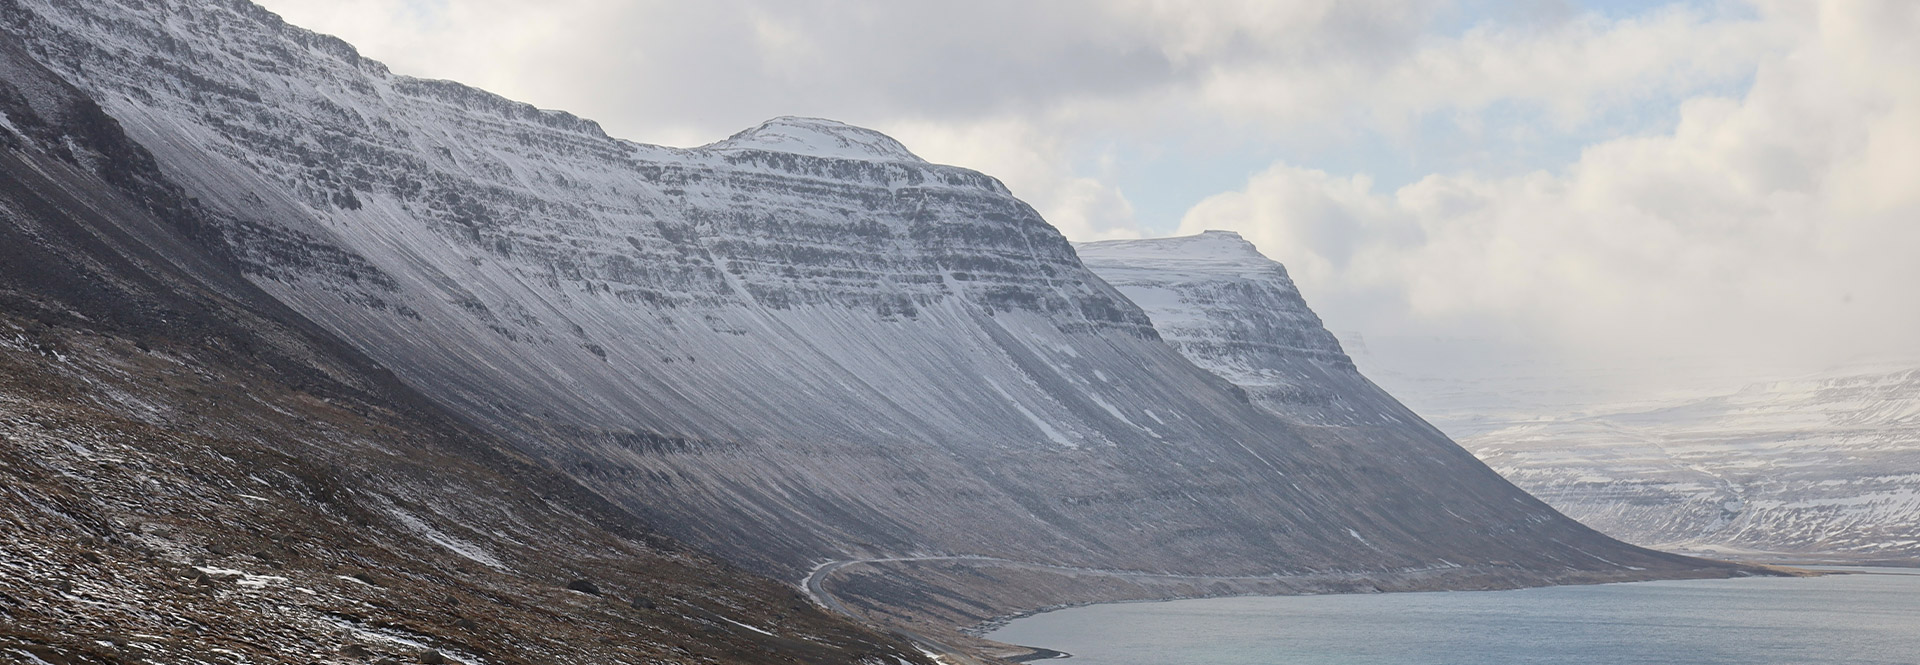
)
(1074, 75)
(1778, 229)
(1027, 157)
(1569, 66)
(1760, 206)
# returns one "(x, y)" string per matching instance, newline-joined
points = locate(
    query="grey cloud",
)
(722, 65)
(1029, 90)
(1772, 233)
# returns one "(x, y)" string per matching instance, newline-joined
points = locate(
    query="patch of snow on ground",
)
(245, 579)
(742, 625)
(1038, 422)
(1356, 536)
(28, 655)
(469, 550)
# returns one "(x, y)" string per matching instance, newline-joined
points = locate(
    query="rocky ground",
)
(155, 511)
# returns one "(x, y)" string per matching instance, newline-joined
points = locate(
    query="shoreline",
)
(1038, 654)
(969, 642)
(1778, 569)
(1112, 633)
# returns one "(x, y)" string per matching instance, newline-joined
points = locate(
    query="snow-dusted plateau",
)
(1817, 468)
(885, 382)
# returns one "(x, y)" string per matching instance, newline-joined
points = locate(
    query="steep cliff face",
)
(1814, 468)
(798, 345)
(192, 472)
(1235, 313)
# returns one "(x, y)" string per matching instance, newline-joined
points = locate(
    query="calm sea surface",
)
(1834, 619)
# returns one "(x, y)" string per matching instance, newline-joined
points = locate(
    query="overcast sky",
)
(1725, 189)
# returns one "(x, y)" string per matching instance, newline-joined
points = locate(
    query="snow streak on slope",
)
(1819, 467)
(798, 344)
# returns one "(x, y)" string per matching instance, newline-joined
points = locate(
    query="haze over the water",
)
(1597, 199)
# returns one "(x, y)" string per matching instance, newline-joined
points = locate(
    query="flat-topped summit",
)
(818, 137)
(1210, 254)
(1233, 311)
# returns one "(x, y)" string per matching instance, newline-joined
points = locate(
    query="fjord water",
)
(1850, 619)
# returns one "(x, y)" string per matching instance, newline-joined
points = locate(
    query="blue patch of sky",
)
(1619, 9)
(422, 10)
(1462, 15)
(1163, 181)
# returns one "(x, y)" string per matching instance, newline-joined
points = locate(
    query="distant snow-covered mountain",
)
(1823, 467)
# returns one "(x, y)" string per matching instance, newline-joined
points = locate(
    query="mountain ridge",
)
(816, 137)
(193, 472)
(1810, 469)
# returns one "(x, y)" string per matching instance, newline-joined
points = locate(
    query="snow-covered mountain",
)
(796, 346)
(190, 472)
(1235, 313)
(1826, 467)
(1823, 467)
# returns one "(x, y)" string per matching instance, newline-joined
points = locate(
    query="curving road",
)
(814, 587)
